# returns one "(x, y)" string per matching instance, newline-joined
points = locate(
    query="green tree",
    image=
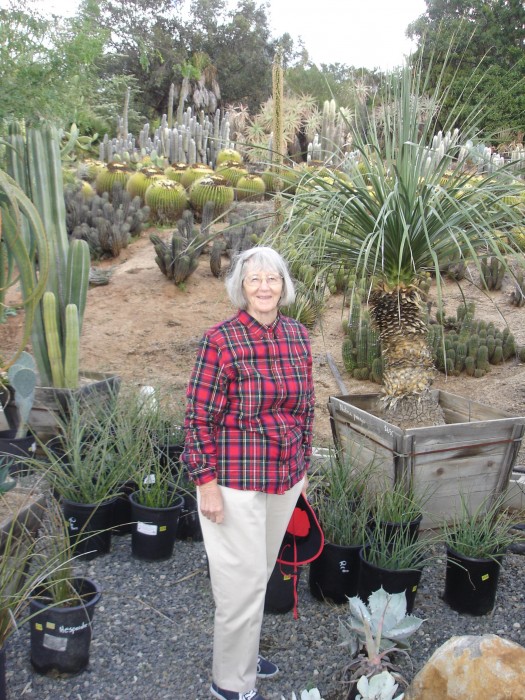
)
(48, 65)
(477, 38)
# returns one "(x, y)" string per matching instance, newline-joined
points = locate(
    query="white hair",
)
(263, 259)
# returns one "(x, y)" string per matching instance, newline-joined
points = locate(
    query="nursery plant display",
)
(476, 542)
(340, 499)
(62, 604)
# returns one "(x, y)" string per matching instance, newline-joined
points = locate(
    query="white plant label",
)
(54, 643)
(147, 528)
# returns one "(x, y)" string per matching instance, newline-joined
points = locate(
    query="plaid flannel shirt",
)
(250, 403)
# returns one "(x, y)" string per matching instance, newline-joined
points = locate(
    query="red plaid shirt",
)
(250, 405)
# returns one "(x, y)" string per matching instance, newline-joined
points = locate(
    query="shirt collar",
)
(259, 330)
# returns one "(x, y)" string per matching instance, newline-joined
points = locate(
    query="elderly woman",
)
(250, 404)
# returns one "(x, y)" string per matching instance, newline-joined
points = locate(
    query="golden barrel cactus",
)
(211, 188)
(166, 199)
(250, 187)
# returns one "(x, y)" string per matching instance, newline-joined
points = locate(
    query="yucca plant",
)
(414, 202)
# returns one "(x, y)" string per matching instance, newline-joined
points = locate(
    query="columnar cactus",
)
(68, 277)
(179, 257)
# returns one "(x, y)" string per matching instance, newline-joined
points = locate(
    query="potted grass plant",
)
(155, 506)
(342, 503)
(394, 562)
(476, 542)
(84, 472)
(63, 604)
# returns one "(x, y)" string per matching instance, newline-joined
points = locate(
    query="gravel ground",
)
(153, 632)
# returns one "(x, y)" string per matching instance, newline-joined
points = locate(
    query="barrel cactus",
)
(193, 173)
(139, 182)
(166, 199)
(232, 172)
(212, 188)
(175, 171)
(250, 187)
(228, 154)
(112, 174)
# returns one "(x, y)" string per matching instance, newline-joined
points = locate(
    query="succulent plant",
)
(106, 225)
(112, 174)
(228, 155)
(179, 257)
(211, 188)
(22, 378)
(380, 628)
(382, 686)
(250, 187)
(312, 694)
(175, 171)
(232, 172)
(6, 482)
(166, 199)
(139, 181)
(195, 172)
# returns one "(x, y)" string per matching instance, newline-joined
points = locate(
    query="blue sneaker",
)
(265, 668)
(231, 695)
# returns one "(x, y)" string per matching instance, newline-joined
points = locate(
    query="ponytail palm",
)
(413, 204)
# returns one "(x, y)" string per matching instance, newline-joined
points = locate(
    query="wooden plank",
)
(471, 458)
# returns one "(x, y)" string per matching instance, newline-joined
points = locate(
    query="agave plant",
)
(380, 628)
(414, 202)
(380, 687)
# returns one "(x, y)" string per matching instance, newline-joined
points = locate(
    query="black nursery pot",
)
(471, 584)
(61, 636)
(334, 574)
(122, 520)
(189, 526)
(409, 530)
(372, 577)
(279, 597)
(14, 450)
(154, 529)
(89, 526)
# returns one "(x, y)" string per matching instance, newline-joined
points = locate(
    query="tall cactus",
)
(68, 277)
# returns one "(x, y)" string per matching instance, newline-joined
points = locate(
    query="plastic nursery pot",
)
(189, 527)
(334, 574)
(154, 529)
(89, 526)
(61, 635)
(372, 577)
(122, 520)
(393, 529)
(471, 584)
(279, 597)
(13, 450)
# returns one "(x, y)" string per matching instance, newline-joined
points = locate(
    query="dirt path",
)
(146, 329)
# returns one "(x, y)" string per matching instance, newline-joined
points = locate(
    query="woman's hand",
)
(211, 503)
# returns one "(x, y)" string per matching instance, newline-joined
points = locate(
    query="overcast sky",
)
(369, 33)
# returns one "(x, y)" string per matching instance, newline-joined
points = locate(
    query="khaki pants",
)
(242, 551)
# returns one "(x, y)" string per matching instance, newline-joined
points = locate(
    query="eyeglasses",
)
(256, 280)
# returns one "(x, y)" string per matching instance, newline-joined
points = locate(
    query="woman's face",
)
(262, 289)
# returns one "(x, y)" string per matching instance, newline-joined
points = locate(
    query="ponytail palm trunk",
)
(413, 204)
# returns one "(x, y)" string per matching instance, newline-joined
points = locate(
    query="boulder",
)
(482, 667)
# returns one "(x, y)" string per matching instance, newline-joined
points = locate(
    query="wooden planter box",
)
(472, 454)
(21, 509)
(51, 402)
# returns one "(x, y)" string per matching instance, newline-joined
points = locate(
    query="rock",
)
(482, 667)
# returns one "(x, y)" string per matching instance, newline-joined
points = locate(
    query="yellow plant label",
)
(485, 577)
